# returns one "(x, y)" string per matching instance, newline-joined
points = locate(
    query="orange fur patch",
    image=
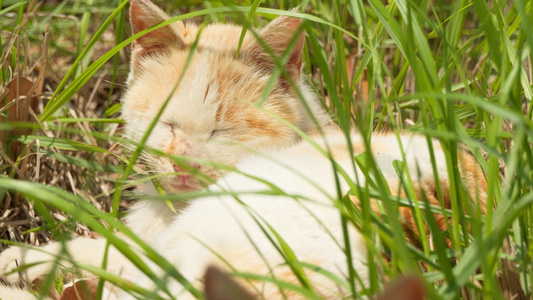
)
(472, 177)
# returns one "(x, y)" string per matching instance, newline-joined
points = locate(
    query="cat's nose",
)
(179, 169)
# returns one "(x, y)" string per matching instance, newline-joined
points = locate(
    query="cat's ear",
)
(278, 35)
(143, 15)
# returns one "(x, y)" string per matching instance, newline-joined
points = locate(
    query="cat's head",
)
(212, 112)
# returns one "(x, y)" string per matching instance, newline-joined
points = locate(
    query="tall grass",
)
(457, 71)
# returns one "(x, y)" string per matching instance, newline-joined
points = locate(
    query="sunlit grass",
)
(456, 71)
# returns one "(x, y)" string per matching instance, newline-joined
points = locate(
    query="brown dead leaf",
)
(509, 278)
(20, 99)
(404, 288)
(37, 286)
(220, 286)
(81, 290)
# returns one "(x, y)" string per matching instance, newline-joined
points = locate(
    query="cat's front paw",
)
(20, 258)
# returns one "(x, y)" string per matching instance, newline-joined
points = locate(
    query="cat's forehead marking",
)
(193, 106)
(206, 93)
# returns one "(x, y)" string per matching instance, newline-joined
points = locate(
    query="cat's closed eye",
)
(214, 133)
(219, 132)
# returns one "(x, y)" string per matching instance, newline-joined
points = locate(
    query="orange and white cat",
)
(212, 115)
(283, 184)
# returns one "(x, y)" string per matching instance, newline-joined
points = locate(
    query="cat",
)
(212, 115)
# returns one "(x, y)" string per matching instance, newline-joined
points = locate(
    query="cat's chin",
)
(180, 184)
(180, 188)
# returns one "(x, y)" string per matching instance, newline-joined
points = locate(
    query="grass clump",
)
(457, 71)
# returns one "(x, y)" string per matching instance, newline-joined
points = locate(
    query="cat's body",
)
(223, 226)
(300, 203)
(212, 115)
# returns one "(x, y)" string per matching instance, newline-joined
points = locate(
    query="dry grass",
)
(37, 76)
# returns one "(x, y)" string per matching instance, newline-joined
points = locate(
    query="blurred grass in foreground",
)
(459, 71)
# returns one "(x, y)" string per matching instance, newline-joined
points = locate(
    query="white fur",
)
(222, 224)
(15, 293)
